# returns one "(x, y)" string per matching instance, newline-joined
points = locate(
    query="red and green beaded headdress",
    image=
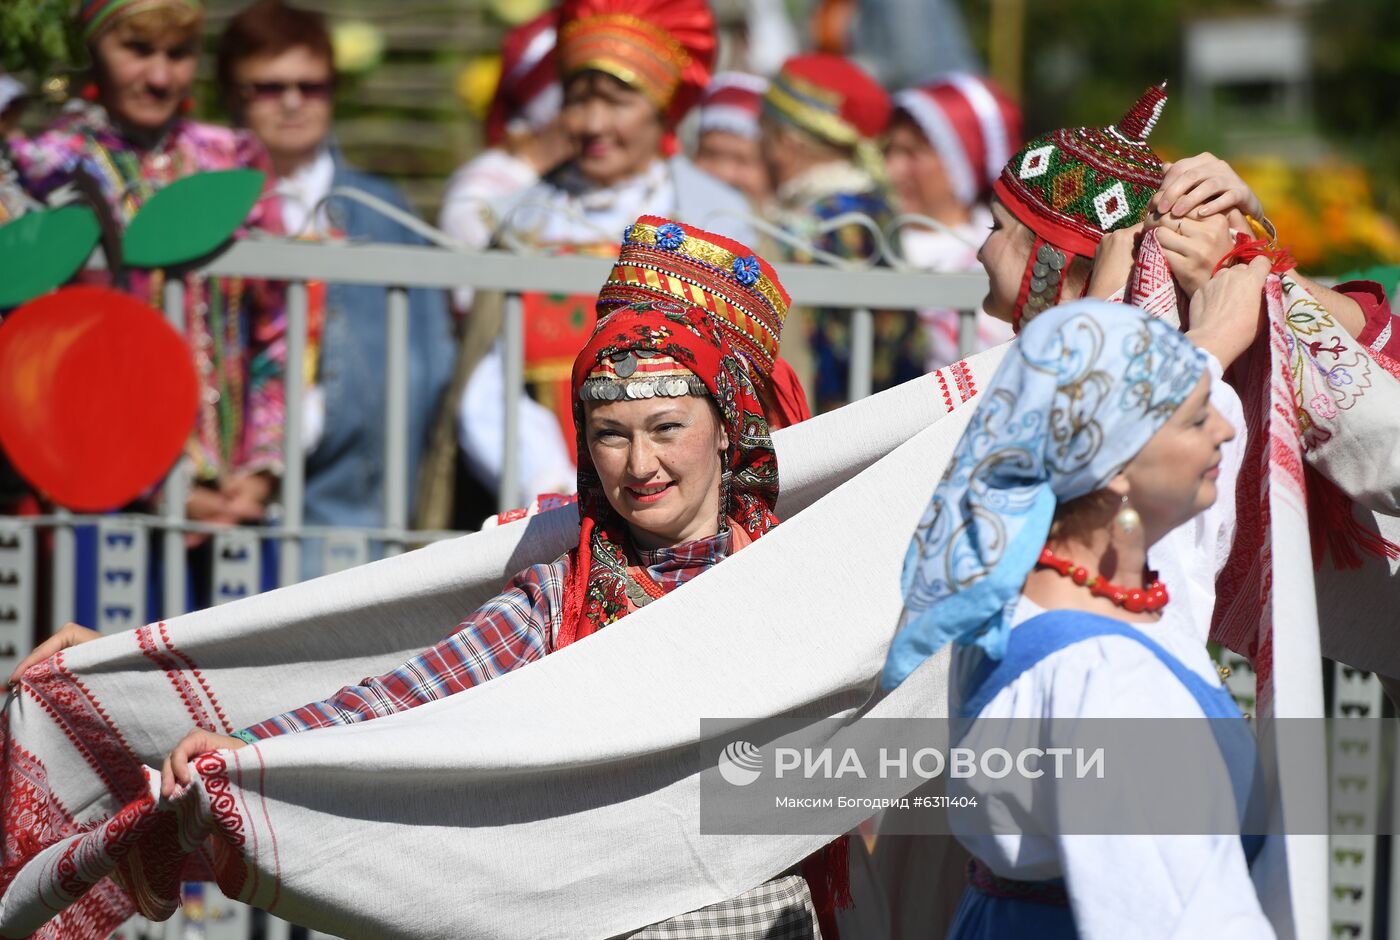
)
(1071, 187)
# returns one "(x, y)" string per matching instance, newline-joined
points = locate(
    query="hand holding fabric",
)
(175, 772)
(71, 634)
(1113, 262)
(1193, 247)
(1228, 312)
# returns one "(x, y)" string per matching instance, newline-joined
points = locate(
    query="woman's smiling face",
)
(1173, 477)
(615, 129)
(660, 461)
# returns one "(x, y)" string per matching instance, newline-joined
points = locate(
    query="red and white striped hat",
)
(732, 103)
(529, 94)
(973, 124)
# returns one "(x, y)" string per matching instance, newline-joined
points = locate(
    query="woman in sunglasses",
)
(276, 74)
(130, 132)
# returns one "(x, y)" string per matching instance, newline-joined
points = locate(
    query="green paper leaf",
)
(42, 250)
(190, 218)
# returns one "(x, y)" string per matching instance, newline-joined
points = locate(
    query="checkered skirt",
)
(779, 909)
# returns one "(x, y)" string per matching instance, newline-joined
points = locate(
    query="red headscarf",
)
(595, 594)
(673, 334)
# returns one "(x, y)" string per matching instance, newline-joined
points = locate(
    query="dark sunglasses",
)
(275, 91)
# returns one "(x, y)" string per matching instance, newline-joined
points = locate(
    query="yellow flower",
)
(359, 46)
(476, 83)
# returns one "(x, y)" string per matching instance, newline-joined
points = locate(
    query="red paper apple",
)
(98, 395)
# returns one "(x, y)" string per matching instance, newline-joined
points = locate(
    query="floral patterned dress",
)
(234, 325)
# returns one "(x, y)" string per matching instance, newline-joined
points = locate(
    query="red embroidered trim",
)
(230, 833)
(94, 916)
(962, 378)
(76, 712)
(198, 677)
(33, 817)
(145, 638)
(966, 386)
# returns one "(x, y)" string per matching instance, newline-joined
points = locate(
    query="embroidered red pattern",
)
(82, 719)
(230, 833)
(962, 381)
(94, 916)
(179, 669)
(963, 376)
(88, 858)
(33, 817)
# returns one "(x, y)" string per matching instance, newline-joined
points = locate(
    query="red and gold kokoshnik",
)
(629, 49)
(662, 259)
(662, 48)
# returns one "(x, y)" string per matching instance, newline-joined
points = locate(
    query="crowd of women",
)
(1098, 489)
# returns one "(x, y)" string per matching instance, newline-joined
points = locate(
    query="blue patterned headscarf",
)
(1078, 395)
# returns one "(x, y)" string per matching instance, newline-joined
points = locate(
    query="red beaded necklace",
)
(1149, 599)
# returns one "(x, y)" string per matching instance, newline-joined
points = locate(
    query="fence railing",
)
(117, 551)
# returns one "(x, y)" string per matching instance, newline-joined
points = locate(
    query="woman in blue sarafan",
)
(1097, 438)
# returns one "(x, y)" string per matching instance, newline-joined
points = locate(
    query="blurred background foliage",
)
(34, 35)
(1322, 148)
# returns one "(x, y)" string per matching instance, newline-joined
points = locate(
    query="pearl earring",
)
(1128, 519)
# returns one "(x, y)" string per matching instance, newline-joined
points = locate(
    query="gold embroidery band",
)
(716, 257)
(790, 104)
(628, 48)
(735, 317)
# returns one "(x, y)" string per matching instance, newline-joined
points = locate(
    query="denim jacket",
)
(345, 472)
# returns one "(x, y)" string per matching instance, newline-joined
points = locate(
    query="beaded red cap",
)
(1073, 186)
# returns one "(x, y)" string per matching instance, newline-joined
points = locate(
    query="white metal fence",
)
(122, 574)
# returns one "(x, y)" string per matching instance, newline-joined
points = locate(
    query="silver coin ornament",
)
(625, 365)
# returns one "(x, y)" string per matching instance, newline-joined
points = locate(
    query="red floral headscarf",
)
(677, 343)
